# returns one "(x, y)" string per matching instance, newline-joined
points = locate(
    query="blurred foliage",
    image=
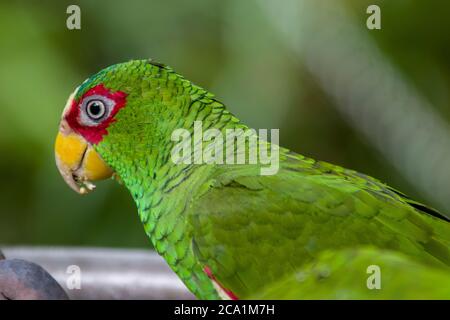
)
(228, 47)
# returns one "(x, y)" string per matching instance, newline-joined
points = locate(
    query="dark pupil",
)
(95, 109)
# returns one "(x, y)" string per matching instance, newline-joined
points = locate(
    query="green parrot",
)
(229, 230)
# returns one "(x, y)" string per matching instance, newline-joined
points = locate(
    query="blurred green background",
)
(241, 51)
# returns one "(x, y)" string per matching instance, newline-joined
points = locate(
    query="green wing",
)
(351, 274)
(252, 230)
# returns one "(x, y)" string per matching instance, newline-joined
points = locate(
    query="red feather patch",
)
(95, 134)
(229, 293)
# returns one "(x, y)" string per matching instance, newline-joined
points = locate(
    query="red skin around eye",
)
(95, 134)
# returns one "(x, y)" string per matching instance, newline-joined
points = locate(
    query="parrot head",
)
(109, 117)
(85, 122)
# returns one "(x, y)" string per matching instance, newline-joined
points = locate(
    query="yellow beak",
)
(78, 162)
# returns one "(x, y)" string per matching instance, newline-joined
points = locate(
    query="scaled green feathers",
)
(228, 226)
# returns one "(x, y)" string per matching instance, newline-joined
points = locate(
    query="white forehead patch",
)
(69, 102)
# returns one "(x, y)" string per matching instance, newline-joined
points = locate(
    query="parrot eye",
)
(95, 109)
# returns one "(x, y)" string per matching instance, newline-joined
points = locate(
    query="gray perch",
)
(105, 273)
(24, 280)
